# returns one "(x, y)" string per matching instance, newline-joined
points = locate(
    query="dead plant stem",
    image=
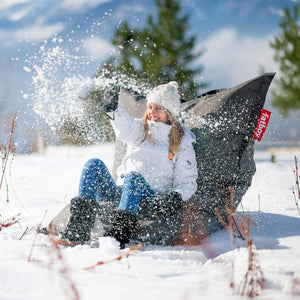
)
(9, 148)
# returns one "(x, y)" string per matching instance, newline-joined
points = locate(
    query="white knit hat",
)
(167, 96)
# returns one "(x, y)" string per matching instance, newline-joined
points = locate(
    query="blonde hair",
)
(175, 135)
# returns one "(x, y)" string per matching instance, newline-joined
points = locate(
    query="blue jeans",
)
(97, 183)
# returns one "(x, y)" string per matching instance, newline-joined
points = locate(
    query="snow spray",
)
(60, 82)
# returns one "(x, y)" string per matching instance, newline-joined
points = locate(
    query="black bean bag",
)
(224, 122)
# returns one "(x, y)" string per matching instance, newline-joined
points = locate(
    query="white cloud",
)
(4, 4)
(231, 59)
(78, 5)
(38, 32)
(126, 9)
(98, 48)
(18, 15)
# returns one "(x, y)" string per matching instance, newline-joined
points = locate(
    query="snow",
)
(42, 184)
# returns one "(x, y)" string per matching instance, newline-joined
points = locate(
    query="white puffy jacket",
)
(151, 160)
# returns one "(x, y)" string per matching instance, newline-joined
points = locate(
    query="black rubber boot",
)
(122, 225)
(83, 213)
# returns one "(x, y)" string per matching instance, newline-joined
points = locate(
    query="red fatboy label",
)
(262, 124)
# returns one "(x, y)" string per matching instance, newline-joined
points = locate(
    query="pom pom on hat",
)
(166, 95)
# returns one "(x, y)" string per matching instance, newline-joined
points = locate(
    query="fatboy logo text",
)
(262, 124)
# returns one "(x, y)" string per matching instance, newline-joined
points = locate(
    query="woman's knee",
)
(133, 176)
(94, 163)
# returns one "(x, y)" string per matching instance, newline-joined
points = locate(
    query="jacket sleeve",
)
(127, 129)
(186, 173)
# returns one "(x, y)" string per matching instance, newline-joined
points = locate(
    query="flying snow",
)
(61, 82)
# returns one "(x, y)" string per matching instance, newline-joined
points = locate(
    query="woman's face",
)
(157, 113)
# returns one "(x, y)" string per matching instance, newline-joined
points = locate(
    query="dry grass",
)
(6, 150)
(56, 258)
(296, 188)
(230, 225)
(9, 222)
(117, 258)
(68, 285)
(253, 281)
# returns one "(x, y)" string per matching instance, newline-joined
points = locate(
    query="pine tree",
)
(124, 39)
(162, 51)
(287, 53)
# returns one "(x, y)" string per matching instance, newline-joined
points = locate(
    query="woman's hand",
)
(110, 98)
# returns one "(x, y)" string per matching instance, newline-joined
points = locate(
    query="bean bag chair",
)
(224, 122)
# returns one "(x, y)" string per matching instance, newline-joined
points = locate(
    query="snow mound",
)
(31, 268)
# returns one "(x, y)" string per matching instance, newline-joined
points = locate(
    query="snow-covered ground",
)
(41, 184)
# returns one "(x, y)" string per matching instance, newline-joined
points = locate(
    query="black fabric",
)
(111, 96)
(123, 223)
(158, 229)
(224, 146)
(162, 205)
(83, 212)
(106, 212)
(223, 122)
(224, 152)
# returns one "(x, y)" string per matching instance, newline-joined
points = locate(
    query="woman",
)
(158, 171)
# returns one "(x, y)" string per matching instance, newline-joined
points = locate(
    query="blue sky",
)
(234, 33)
